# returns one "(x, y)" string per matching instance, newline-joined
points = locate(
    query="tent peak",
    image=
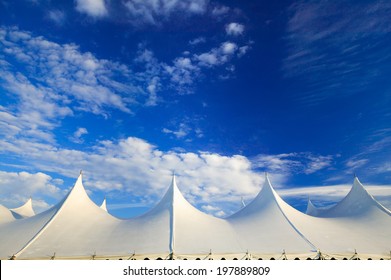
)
(24, 211)
(103, 205)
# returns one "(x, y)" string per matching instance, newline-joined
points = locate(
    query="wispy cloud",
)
(305, 163)
(220, 10)
(57, 16)
(328, 47)
(51, 81)
(64, 73)
(153, 12)
(185, 129)
(180, 133)
(329, 195)
(373, 155)
(197, 41)
(185, 70)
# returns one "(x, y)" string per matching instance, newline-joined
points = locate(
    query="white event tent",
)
(77, 228)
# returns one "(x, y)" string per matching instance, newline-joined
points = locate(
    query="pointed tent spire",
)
(357, 202)
(173, 179)
(312, 210)
(76, 197)
(24, 211)
(103, 205)
(257, 215)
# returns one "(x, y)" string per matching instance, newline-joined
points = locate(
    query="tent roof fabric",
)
(77, 228)
(357, 202)
(24, 211)
(5, 215)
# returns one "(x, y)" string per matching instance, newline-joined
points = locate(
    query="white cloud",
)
(229, 48)
(306, 163)
(77, 135)
(355, 163)
(243, 50)
(182, 73)
(152, 88)
(57, 16)
(208, 59)
(332, 194)
(16, 188)
(220, 10)
(65, 76)
(318, 32)
(59, 80)
(234, 29)
(154, 11)
(36, 112)
(216, 211)
(134, 166)
(182, 131)
(217, 56)
(93, 8)
(197, 41)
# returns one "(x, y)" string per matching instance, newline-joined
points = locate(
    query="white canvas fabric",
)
(77, 228)
(358, 224)
(24, 211)
(264, 228)
(5, 215)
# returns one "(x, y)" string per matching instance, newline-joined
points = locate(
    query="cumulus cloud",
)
(132, 165)
(217, 56)
(17, 187)
(183, 73)
(213, 209)
(234, 29)
(93, 8)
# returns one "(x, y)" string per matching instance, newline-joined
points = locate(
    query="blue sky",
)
(217, 91)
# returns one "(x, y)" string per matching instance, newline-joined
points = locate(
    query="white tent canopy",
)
(264, 228)
(24, 211)
(5, 215)
(76, 228)
(357, 224)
